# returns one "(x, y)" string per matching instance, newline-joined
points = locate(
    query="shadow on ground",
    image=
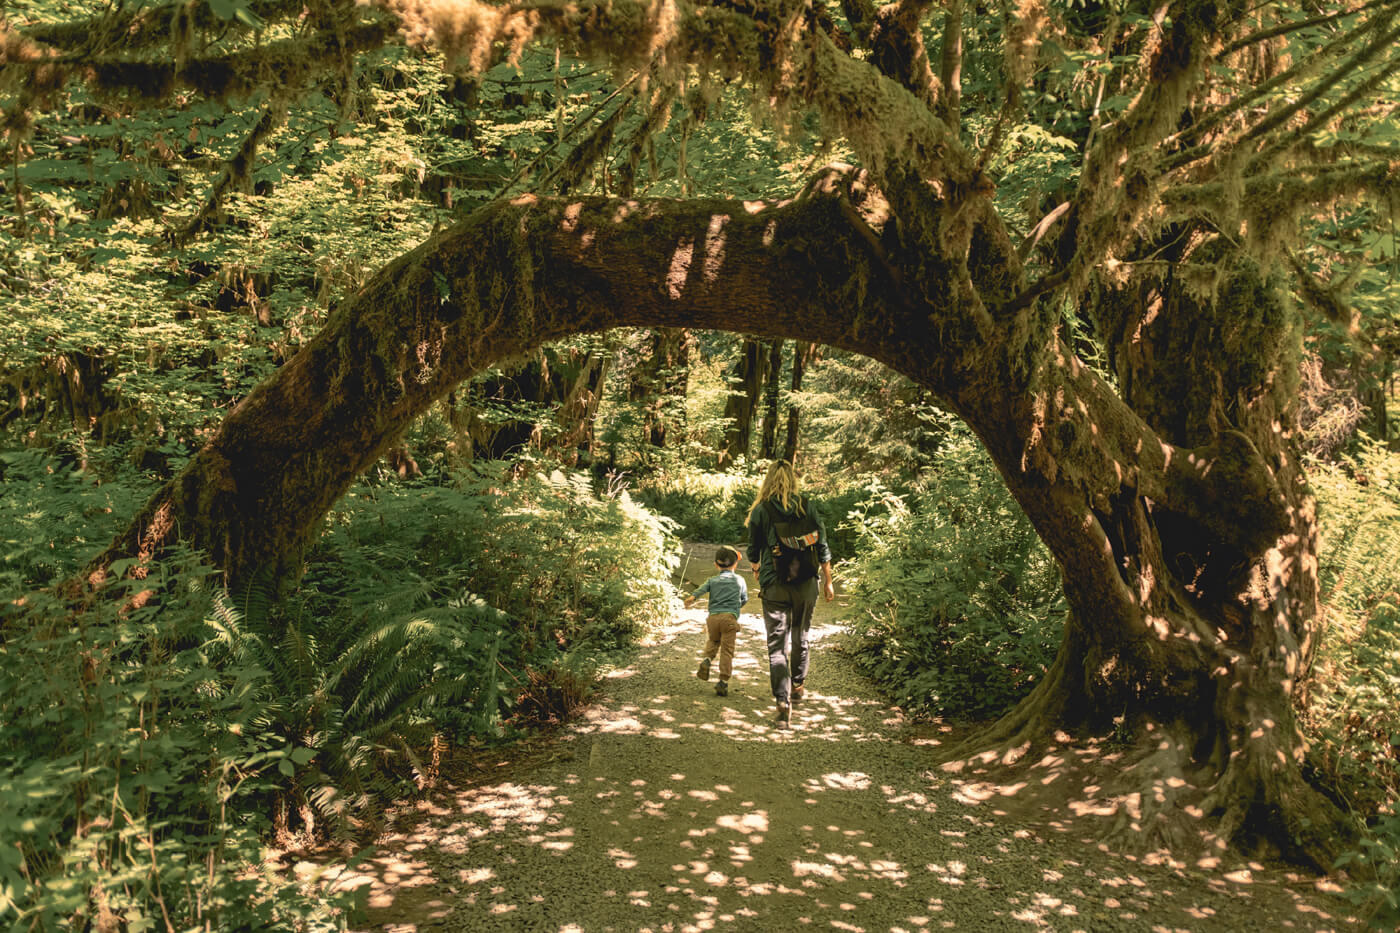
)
(667, 808)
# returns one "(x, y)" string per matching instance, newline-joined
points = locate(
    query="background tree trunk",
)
(769, 442)
(745, 384)
(564, 384)
(802, 354)
(660, 381)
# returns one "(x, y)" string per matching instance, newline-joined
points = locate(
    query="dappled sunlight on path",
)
(668, 808)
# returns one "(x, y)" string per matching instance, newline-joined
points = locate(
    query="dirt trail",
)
(667, 808)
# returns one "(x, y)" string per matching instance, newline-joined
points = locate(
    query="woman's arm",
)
(758, 538)
(824, 555)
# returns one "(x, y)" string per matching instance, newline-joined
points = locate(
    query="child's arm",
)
(704, 588)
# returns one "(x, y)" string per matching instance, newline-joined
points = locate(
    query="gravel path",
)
(667, 808)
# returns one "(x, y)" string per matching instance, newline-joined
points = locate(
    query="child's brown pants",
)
(724, 630)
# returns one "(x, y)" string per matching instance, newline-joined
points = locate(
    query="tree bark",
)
(769, 435)
(745, 384)
(802, 354)
(660, 382)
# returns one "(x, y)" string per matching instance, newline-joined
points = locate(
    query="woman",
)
(787, 592)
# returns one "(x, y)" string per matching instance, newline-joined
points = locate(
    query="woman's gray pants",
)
(787, 618)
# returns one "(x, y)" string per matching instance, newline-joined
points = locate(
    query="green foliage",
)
(132, 763)
(869, 419)
(957, 604)
(713, 506)
(355, 698)
(1352, 715)
(428, 609)
(704, 506)
(188, 725)
(1377, 862)
(53, 515)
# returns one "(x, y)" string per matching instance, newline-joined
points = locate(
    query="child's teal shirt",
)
(728, 592)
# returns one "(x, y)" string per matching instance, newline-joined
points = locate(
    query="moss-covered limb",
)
(887, 126)
(767, 43)
(121, 28)
(1189, 145)
(240, 74)
(861, 16)
(511, 277)
(897, 49)
(1298, 25)
(1381, 46)
(1286, 194)
(1120, 184)
(1299, 139)
(1078, 432)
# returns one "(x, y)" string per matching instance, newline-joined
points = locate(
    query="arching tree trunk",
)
(769, 435)
(1188, 555)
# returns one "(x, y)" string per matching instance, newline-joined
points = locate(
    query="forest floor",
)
(667, 808)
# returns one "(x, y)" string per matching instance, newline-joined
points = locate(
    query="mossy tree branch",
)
(144, 27)
(239, 74)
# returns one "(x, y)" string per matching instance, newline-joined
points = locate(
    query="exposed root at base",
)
(1148, 797)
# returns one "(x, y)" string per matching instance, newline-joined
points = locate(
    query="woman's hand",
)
(828, 588)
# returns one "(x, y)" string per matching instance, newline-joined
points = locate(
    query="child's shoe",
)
(704, 672)
(722, 688)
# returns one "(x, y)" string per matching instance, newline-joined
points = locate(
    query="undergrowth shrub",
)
(458, 611)
(54, 515)
(360, 699)
(704, 506)
(565, 567)
(151, 747)
(1352, 714)
(133, 768)
(957, 604)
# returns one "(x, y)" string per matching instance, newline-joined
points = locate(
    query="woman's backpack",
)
(795, 544)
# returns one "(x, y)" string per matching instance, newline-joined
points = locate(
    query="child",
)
(728, 593)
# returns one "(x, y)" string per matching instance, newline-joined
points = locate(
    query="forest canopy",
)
(1114, 283)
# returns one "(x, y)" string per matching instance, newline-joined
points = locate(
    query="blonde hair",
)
(781, 484)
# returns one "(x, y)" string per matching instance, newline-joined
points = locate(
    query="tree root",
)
(1151, 796)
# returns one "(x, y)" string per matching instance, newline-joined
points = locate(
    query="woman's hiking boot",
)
(798, 692)
(704, 672)
(722, 688)
(784, 716)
